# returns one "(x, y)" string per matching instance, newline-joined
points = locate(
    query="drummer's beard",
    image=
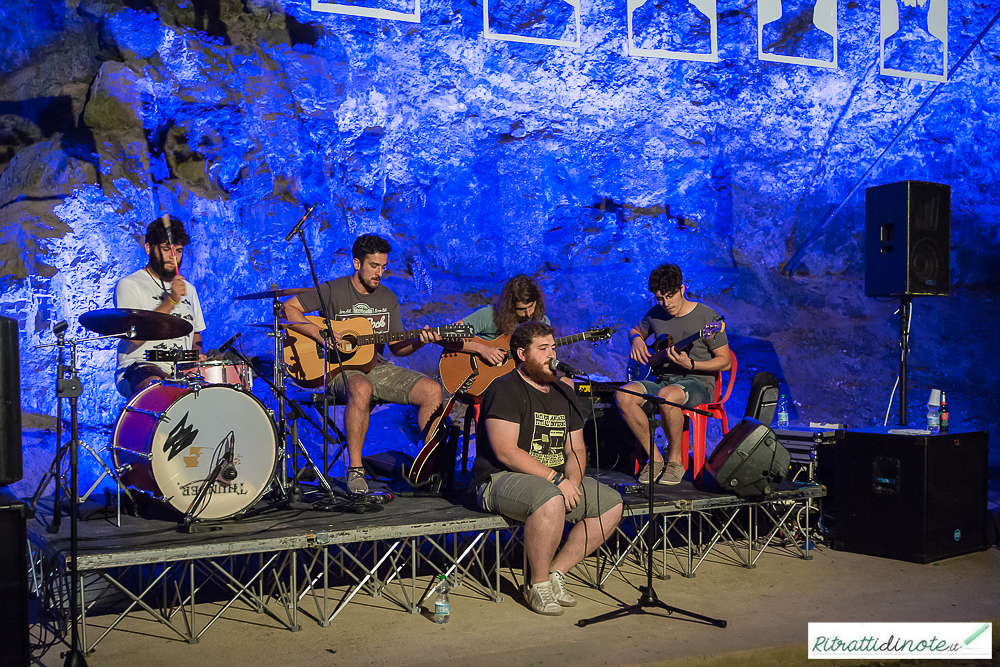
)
(157, 264)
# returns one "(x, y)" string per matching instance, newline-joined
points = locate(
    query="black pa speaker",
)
(11, 465)
(748, 462)
(907, 239)
(14, 637)
(611, 445)
(917, 498)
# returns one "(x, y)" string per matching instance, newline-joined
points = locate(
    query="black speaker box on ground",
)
(14, 650)
(614, 446)
(917, 498)
(907, 239)
(11, 465)
(748, 461)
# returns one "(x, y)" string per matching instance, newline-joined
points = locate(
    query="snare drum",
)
(172, 435)
(218, 371)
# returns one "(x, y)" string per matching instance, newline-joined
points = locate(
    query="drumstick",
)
(165, 219)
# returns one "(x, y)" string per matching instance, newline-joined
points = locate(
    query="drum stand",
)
(287, 494)
(65, 386)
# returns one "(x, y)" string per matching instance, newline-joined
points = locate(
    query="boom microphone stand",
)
(647, 594)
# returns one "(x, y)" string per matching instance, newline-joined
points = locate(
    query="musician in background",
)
(520, 300)
(362, 294)
(158, 287)
(688, 378)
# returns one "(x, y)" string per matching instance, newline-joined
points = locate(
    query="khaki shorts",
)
(390, 383)
(516, 496)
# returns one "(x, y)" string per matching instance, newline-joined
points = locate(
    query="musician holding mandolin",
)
(361, 309)
(691, 347)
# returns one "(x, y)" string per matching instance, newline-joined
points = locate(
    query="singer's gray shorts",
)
(517, 495)
(390, 383)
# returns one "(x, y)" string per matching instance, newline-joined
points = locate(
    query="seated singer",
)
(362, 294)
(158, 287)
(530, 466)
(688, 378)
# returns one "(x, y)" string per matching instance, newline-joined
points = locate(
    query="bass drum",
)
(172, 435)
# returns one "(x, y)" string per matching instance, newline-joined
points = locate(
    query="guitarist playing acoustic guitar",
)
(686, 376)
(362, 295)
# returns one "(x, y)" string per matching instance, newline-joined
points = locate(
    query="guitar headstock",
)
(712, 329)
(457, 331)
(597, 335)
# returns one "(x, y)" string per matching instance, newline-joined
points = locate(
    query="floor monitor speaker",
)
(749, 461)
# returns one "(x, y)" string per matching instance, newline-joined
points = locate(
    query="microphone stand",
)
(647, 594)
(324, 311)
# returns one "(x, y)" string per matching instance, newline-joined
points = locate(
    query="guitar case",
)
(763, 398)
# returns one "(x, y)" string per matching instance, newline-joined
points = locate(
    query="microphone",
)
(229, 471)
(557, 365)
(298, 225)
(229, 343)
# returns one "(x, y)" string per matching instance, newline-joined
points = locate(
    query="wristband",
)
(552, 475)
(631, 339)
(558, 479)
(167, 294)
(692, 364)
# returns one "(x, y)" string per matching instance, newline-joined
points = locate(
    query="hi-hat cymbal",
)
(273, 293)
(282, 324)
(139, 324)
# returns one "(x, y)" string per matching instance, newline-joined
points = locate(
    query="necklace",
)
(156, 280)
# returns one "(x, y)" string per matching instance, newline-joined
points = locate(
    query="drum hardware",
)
(69, 386)
(126, 467)
(158, 416)
(225, 469)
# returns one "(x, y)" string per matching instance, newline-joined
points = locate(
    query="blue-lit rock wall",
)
(482, 158)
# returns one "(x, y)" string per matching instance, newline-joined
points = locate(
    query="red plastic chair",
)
(696, 428)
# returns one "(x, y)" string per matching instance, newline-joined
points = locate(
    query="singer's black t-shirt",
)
(545, 418)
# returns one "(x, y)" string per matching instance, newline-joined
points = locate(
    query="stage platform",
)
(297, 563)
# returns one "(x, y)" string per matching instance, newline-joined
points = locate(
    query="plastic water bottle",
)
(442, 605)
(933, 415)
(782, 412)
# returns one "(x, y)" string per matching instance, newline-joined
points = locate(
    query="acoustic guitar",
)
(455, 366)
(658, 357)
(428, 463)
(304, 356)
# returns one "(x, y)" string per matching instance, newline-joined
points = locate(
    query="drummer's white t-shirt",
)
(143, 291)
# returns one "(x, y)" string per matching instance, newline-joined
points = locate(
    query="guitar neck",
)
(392, 337)
(661, 356)
(575, 338)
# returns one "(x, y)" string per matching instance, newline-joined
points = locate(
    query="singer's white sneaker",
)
(542, 600)
(558, 582)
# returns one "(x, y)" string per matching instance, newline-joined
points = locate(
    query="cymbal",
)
(148, 324)
(273, 293)
(282, 324)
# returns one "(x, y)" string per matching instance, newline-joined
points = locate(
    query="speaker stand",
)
(905, 311)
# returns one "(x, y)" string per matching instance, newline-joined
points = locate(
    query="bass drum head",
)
(187, 445)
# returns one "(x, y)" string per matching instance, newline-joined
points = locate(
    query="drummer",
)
(158, 287)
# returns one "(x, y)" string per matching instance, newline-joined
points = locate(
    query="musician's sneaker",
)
(672, 474)
(356, 483)
(657, 471)
(542, 600)
(558, 582)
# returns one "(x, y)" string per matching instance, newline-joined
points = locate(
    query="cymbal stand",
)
(279, 393)
(64, 387)
(278, 378)
(647, 594)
